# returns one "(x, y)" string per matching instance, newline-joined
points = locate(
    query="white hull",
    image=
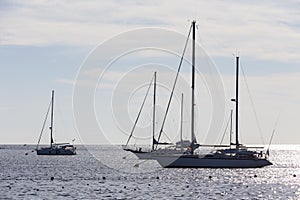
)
(195, 161)
(144, 155)
(55, 151)
(151, 155)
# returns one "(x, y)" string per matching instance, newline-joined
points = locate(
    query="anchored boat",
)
(238, 156)
(54, 148)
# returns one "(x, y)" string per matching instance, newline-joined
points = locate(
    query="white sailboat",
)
(142, 152)
(55, 148)
(237, 157)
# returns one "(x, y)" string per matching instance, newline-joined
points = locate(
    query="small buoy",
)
(149, 184)
(37, 189)
(52, 178)
(87, 184)
(125, 187)
(157, 177)
(294, 175)
(103, 177)
(255, 175)
(32, 151)
(187, 186)
(124, 157)
(134, 189)
(210, 177)
(230, 189)
(136, 165)
(26, 154)
(9, 187)
(62, 187)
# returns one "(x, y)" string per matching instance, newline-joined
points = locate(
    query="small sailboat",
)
(238, 157)
(54, 148)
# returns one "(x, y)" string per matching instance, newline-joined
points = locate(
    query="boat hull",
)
(202, 162)
(151, 155)
(143, 155)
(55, 151)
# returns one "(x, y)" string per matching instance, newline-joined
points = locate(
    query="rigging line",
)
(168, 106)
(253, 108)
(273, 131)
(213, 80)
(225, 131)
(43, 127)
(167, 136)
(138, 116)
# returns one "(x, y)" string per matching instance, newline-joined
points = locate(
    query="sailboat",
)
(237, 157)
(54, 148)
(143, 153)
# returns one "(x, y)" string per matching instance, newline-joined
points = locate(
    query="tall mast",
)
(193, 138)
(237, 104)
(230, 133)
(181, 121)
(154, 102)
(140, 111)
(51, 127)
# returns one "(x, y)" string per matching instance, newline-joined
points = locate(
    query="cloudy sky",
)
(44, 45)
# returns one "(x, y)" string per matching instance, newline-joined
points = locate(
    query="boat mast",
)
(193, 138)
(230, 133)
(140, 111)
(237, 104)
(51, 127)
(181, 121)
(154, 102)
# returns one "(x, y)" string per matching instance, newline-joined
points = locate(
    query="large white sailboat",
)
(238, 156)
(54, 148)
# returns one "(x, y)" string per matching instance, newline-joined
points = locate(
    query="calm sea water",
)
(104, 172)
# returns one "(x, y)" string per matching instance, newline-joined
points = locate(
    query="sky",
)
(92, 53)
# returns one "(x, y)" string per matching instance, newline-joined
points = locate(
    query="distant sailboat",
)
(237, 157)
(55, 148)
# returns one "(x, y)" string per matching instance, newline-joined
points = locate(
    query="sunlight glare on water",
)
(84, 176)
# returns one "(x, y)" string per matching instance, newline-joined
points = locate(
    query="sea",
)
(107, 172)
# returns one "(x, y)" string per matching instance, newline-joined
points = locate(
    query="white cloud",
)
(85, 83)
(264, 30)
